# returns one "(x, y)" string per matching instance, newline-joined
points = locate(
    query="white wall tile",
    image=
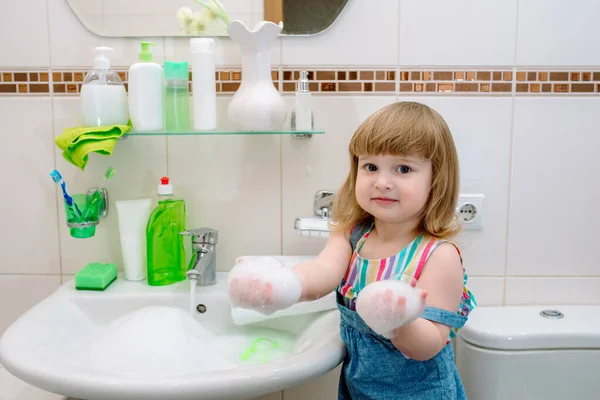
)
(487, 291)
(258, 9)
(72, 44)
(232, 184)
(227, 52)
(24, 34)
(18, 293)
(462, 32)
(321, 162)
(64, 278)
(538, 290)
(481, 130)
(324, 387)
(554, 195)
(139, 163)
(29, 218)
(552, 32)
(363, 34)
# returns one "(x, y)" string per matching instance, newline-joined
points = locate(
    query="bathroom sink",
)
(134, 341)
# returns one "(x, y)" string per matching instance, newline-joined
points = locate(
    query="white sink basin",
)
(134, 341)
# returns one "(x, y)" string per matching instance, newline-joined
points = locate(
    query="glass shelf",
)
(222, 132)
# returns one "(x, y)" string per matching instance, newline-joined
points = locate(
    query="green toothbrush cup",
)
(82, 223)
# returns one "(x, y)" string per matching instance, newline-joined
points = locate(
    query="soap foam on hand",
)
(271, 266)
(263, 284)
(378, 305)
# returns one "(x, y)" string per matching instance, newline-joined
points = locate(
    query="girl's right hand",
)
(263, 284)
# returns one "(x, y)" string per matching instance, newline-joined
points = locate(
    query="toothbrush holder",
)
(86, 227)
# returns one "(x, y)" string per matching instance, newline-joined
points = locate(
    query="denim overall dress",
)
(373, 368)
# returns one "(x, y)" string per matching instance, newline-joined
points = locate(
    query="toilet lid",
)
(533, 327)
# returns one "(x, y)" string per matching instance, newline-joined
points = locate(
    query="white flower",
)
(207, 19)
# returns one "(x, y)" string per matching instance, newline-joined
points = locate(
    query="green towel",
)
(76, 143)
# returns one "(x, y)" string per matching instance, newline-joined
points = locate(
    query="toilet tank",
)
(530, 353)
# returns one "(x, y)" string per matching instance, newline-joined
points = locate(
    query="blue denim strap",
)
(453, 320)
(357, 233)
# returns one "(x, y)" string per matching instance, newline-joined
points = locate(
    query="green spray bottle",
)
(164, 245)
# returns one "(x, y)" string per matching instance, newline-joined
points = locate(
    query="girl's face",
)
(393, 188)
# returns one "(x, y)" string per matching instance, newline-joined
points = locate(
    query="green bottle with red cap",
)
(166, 260)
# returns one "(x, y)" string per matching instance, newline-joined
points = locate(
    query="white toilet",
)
(531, 353)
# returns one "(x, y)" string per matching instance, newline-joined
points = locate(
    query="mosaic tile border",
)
(497, 82)
(35, 82)
(342, 81)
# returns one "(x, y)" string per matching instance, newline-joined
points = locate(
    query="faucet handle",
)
(202, 235)
(323, 203)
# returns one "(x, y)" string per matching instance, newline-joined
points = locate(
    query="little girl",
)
(400, 285)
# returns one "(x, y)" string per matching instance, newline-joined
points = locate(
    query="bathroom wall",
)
(517, 80)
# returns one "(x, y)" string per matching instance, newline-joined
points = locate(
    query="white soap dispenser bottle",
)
(103, 96)
(302, 118)
(146, 92)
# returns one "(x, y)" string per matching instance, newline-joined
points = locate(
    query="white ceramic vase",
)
(257, 104)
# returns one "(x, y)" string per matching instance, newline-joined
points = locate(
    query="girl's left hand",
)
(388, 305)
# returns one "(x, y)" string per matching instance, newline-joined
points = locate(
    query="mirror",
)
(143, 18)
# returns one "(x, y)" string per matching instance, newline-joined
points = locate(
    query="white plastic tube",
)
(133, 217)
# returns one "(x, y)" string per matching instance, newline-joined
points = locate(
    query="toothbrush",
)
(57, 178)
(110, 171)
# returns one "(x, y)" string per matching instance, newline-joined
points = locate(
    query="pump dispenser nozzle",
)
(302, 84)
(101, 60)
(146, 54)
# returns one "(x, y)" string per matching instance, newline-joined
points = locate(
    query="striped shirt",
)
(407, 266)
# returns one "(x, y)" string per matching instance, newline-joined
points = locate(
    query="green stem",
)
(216, 9)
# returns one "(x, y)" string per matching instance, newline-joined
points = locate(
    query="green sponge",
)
(95, 276)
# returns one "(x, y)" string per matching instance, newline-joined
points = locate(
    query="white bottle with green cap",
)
(146, 98)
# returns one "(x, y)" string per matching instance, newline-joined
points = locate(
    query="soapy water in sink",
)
(155, 339)
(166, 340)
(255, 345)
(250, 345)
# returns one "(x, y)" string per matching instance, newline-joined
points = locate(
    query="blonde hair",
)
(409, 129)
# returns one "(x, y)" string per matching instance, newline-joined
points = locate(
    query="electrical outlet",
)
(470, 210)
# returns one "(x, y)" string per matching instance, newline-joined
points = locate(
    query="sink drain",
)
(552, 314)
(201, 308)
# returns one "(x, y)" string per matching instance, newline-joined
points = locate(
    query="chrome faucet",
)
(203, 264)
